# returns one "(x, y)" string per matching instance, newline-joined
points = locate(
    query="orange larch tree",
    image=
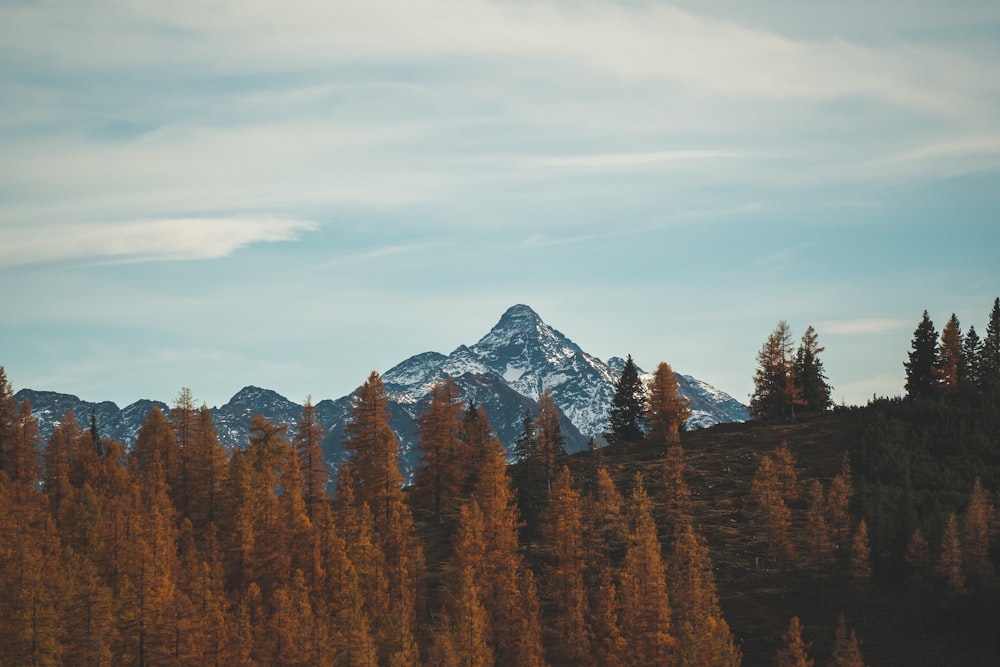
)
(666, 409)
(794, 652)
(443, 469)
(308, 441)
(819, 545)
(861, 558)
(949, 562)
(769, 498)
(846, 647)
(676, 509)
(978, 527)
(838, 502)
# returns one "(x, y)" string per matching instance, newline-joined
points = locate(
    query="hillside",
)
(757, 598)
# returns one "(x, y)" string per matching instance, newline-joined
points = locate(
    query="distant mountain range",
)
(505, 372)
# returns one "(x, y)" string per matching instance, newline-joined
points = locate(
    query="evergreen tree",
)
(922, 360)
(774, 394)
(990, 362)
(812, 388)
(626, 417)
(948, 366)
(971, 359)
(666, 410)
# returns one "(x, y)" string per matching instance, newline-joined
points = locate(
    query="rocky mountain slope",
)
(505, 372)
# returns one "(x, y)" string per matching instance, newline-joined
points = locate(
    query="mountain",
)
(506, 372)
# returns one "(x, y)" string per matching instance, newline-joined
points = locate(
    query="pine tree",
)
(972, 348)
(666, 409)
(774, 395)
(561, 531)
(922, 360)
(794, 652)
(990, 361)
(846, 647)
(626, 416)
(442, 472)
(645, 605)
(948, 367)
(812, 389)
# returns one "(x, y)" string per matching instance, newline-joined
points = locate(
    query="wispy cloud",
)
(147, 240)
(861, 327)
(628, 160)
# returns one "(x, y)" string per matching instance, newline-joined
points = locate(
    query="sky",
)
(220, 193)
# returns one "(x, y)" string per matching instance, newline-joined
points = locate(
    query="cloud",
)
(147, 240)
(861, 327)
(629, 160)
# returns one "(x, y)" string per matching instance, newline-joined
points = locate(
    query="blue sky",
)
(214, 194)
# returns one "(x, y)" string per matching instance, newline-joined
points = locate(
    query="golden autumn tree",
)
(645, 604)
(703, 635)
(918, 564)
(786, 471)
(676, 510)
(948, 365)
(604, 536)
(666, 409)
(768, 495)
(846, 647)
(949, 562)
(443, 468)
(561, 536)
(794, 652)
(549, 438)
(508, 592)
(308, 441)
(838, 501)
(819, 546)
(978, 527)
(861, 558)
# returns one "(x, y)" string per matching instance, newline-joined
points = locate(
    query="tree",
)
(949, 562)
(812, 388)
(819, 543)
(972, 348)
(769, 498)
(676, 507)
(774, 394)
(549, 446)
(445, 459)
(703, 636)
(376, 450)
(978, 525)
(645, 604)
(922, 360)
(990, 362)
(838, 502)
(794, 652)
(666, 409)
(628, 406)
(948, 367)
(861, 558)
(561, 531)
(308, 441)
(846, 647)
(469, 635)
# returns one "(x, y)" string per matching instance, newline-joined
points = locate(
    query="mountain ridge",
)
(505, 372)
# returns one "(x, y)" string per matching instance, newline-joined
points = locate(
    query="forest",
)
(813, 534)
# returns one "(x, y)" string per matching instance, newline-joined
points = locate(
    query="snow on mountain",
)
(506, 372)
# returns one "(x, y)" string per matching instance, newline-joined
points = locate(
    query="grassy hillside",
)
(758, 595)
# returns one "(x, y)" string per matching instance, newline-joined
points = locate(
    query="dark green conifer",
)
(628, 407)
(813, 389)
(922, 360)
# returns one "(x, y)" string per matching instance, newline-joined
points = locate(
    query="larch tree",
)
(917, 558)
(8, 408)
(812, 389)
(626, 417)
(207, 466)
(308, 443)
(838, 502)
(922, 358)
(978, 527)
(769, 500)
(794, 651)
(376, 450)
(703, 635)
(676, 507)
(846, 647)
(666, 409)
(861, 559)
(549, 445)
(787, 472)
(774, 394)
(467, 625)
(948, 367)
(443, 467)
(561, 533)
(645, 603)
(818, 539)
(949, 562)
